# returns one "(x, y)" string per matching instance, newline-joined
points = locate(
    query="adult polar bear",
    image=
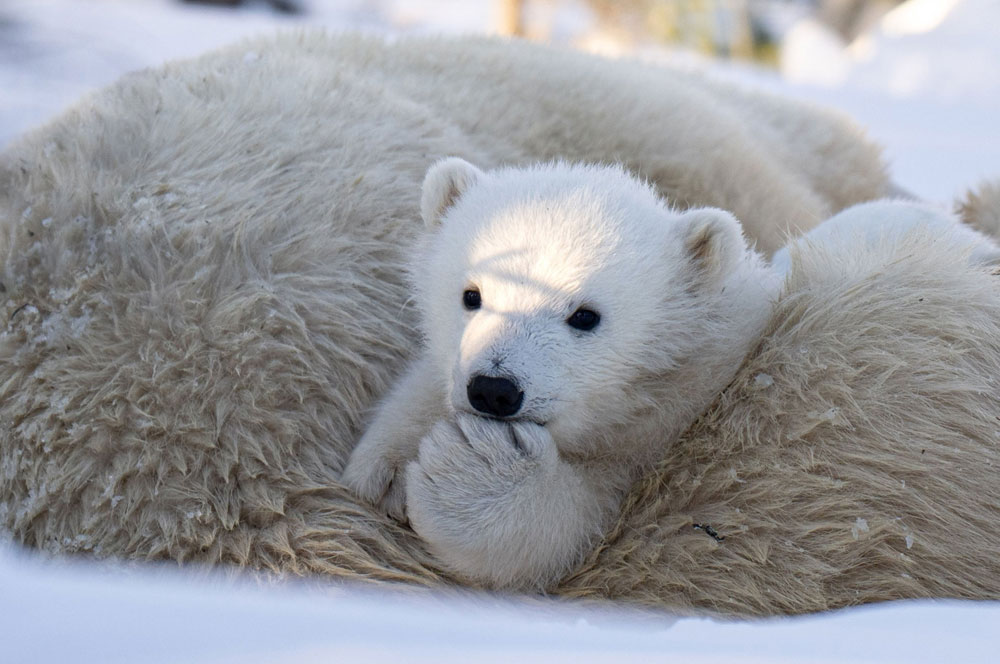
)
(202, 280)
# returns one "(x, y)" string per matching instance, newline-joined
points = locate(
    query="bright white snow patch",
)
(917, 17)
(60, 612)
(813, 54)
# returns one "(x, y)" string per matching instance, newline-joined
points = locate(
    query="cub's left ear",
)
(713, 240)
(444, 184)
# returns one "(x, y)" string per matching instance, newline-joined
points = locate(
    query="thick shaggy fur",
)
(981, 208)
(202, 296)
(516, 502)
(853, 459)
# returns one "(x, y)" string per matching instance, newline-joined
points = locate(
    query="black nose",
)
(499, 397)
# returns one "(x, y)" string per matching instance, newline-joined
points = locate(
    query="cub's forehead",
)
(554, 230)
(561, 219)
(554, 238)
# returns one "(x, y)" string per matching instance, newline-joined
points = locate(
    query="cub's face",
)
(556, 294)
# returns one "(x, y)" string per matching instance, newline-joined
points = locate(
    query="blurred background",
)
(923, 76)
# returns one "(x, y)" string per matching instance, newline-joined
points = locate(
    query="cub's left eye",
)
(471, 299)
(584, 319)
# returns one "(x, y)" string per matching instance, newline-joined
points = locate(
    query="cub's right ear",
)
(713, 241)
(444, 184)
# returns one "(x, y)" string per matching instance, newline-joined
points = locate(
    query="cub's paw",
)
(376, 474)
(473, 457)
(472, 492)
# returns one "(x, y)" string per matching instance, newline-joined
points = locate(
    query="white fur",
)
(516, 502)
(888, 222)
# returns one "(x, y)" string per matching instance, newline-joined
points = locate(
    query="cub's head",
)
(571, 296)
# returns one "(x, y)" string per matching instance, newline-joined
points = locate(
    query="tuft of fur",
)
(981, 208)
(889, 222)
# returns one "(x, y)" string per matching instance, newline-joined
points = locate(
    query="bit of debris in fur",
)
(709, 530)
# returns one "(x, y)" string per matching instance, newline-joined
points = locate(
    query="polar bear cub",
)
(574, 326)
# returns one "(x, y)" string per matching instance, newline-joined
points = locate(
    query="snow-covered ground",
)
(78, 613)
(926, 84)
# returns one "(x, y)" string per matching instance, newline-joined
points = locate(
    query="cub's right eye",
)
(472, 299)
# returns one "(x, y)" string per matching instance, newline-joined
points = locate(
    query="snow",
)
(924, 83)
(79, 612)
(934, 48)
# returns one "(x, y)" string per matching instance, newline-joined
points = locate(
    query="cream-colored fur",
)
(981, 208)
(853, 459)
(203, 296)
(777, 165)
(515, 497)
